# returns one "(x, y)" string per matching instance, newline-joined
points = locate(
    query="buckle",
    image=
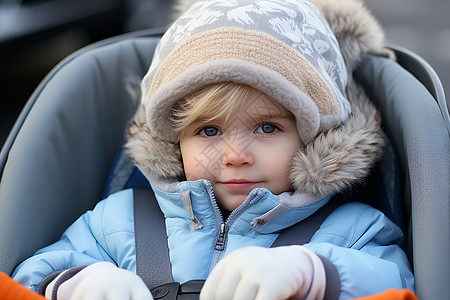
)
(189, 290)
(168, 291)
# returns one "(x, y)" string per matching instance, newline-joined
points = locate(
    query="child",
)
(252, 122)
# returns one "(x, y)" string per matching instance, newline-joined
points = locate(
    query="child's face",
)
(253, 148)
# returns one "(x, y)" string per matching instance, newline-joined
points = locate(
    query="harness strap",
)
(301, 232)
(152, 251)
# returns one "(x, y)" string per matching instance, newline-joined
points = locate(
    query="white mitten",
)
(291, 272)
(104, 280)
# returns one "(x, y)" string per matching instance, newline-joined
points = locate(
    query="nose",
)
(237, 155)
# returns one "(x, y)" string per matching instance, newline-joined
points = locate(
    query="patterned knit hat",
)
(284, 48)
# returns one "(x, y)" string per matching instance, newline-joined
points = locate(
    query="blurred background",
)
(36, 34)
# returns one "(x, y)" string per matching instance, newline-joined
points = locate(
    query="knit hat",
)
(284, 48)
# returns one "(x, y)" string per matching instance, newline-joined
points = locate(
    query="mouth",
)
(239, 185)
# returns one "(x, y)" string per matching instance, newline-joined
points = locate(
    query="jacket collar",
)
(194, 202)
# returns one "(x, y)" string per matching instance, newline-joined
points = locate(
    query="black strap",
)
(301, 232)
(152, 251)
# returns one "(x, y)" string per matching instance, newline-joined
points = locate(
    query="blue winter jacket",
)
(358, 240)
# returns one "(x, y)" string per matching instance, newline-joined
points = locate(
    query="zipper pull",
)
(195, 223)
(220, 240)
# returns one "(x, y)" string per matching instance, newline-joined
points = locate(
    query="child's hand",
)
(292, 272)
(106, 281)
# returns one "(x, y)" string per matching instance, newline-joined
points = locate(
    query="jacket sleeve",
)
(92, 238)
(363, 245)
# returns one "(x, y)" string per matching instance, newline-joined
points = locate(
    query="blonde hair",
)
(211, 102)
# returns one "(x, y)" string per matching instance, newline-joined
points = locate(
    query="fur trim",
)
(155, 157)
(336, 158)
(342, 156)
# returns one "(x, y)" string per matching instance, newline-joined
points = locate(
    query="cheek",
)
(281, 167)
(280, 164)
(193, 170)
(195, 165)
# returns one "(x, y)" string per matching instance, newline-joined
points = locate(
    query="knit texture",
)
(254, 47)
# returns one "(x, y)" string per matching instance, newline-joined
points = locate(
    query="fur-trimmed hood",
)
(336, 158)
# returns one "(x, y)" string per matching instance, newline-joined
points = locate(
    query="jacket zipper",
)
(222, 234)
(220, 240)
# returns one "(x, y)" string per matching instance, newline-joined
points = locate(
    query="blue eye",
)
(210, 131)
(266, 128)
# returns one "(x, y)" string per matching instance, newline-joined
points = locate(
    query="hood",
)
(335, 158)
(283, 48)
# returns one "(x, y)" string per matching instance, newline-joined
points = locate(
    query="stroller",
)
(58, 156)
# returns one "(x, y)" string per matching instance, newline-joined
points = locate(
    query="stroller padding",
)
(413, 118)
(59, 161)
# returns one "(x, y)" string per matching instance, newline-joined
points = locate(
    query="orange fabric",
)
(391, 294)
(12, 290)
